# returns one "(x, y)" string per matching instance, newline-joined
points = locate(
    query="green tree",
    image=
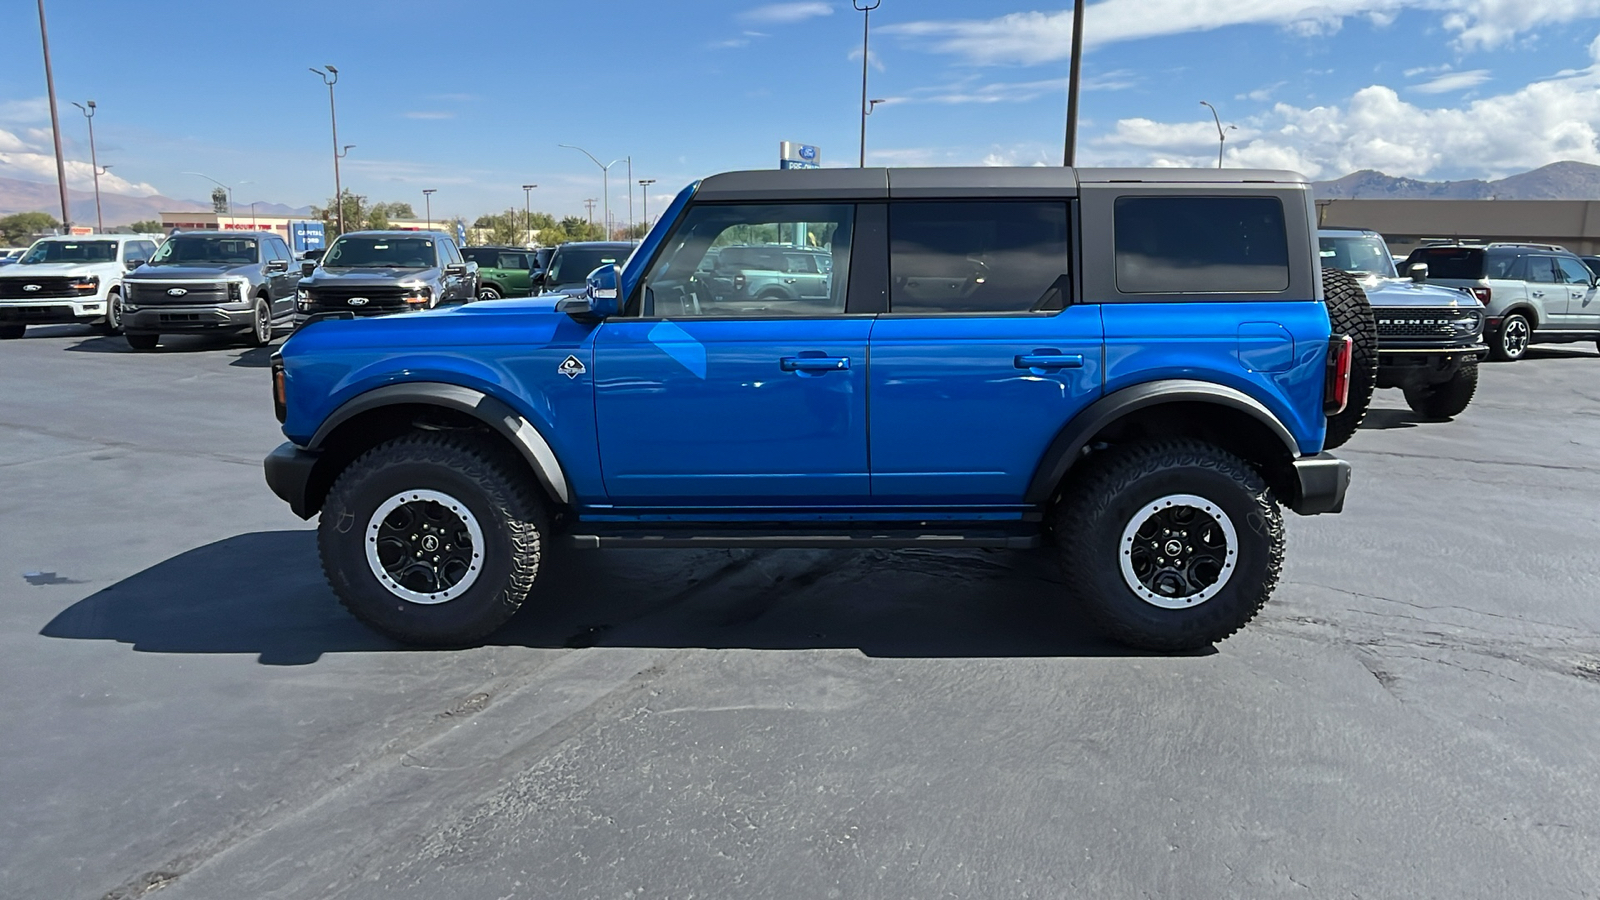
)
(356, 213)
(147, 226)
(395, 210)
(23, 226)
(378, 217)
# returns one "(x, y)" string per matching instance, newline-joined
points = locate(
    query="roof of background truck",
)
(971, 181)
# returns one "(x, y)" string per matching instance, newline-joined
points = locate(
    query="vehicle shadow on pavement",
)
(179, 343)
(1384, 419)
(263, 593)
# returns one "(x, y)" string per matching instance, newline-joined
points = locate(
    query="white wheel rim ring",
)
(1143, 514)
(369, 539)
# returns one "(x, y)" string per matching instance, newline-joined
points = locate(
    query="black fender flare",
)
(1076, 434)
(496, 414)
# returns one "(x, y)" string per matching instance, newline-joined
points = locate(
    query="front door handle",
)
(814, 363)
(1049, 361)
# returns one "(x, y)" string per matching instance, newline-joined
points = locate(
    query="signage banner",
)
(798, 156)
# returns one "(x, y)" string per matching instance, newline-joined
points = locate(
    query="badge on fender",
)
(571, 367)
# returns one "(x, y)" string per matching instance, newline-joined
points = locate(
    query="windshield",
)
(71, 252)
(570, 267)
(203, 251)
(381, 252)
(1364, 253)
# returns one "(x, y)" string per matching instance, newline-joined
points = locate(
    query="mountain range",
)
(1565, 180)
(117, 209)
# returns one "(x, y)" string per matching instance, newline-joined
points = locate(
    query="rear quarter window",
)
(1200, 245)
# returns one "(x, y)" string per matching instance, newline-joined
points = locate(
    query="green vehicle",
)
(503, 271)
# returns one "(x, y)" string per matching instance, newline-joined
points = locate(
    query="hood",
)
(1393, 292)
(55, 270)
(376, 276)
(186, 273)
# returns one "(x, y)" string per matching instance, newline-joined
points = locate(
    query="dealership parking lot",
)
(186, 706)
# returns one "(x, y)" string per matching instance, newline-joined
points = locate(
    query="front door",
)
(981, 358)
(709, 401)
(1583, 308)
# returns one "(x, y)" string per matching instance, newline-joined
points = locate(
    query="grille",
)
(380, 299)
(1423, 324)
(14, 288)
(201, 292)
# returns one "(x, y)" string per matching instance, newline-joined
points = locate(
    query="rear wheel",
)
(488, 292)
(1170, 545)
(142, 341)
(1350, 314)
(12, 332)
(1511, 343)
(1446, 400)
(261, 324)
(432, 539)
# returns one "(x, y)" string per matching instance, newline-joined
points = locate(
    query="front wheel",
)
(1511, 342)
(1170, 545)
(488, 292)
(432, 539)
(261, 324)
(1446, 400)
(113, 322)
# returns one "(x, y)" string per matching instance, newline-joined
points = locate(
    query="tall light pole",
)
(871, 105)
(94, 160)
(630, 197)
(1222, 136)
(605, 185)
(644, 198)
(226, 187)
(331, 78)
(865, 7)
(527, 211)
(55, 125)
(1069, 156)
(427, 198)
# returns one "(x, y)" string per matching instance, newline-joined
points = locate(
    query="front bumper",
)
(170, 319)
(288, 470)
(1320, 484)
(51, 313)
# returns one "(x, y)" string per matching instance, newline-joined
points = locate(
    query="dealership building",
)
(1574, 224)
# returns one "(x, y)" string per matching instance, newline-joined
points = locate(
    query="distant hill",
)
(1565, 180)
(118, 209)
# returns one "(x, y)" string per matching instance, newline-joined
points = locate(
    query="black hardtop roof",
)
(215, 232)
(969, 181)
(392, 233)
(606, 245)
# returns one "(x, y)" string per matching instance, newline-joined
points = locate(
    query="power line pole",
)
(1070, 154)
(589, 204)
(94, 160)
(55, 124)
(527, 211)
(865, 7)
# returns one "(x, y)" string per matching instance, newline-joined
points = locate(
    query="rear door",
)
(981, 357)
(1547, 290)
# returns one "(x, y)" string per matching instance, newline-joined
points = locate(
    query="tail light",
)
(280, 389)
(1336, 390)
(1482, 293)
(739, 282)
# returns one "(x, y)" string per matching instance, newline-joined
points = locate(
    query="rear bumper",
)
(1320, 484)
(288, 470)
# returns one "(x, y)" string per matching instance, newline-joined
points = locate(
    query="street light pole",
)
(644, 198)
(605, 185)
(55, 125)
(228, 188)
(94, 160)
(865, 7)
(527, 211)
(630, 198)
(427, 198)
(1069, 156)
(1222, 136)
(333, 116)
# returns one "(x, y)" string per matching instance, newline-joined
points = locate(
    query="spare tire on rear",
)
(1352, 315)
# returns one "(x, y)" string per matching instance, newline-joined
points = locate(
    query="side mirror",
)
(315, 255)
(307, 267)
(136, 263)
(1419, 272)
(277, 266)
(455, 269)
(601, 298)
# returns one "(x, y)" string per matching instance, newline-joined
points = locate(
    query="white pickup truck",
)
(73, 278)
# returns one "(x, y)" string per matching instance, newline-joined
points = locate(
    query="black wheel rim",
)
(424, 546)
(1178, 551)
(263, 323)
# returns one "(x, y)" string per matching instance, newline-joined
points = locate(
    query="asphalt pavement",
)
(184, 706)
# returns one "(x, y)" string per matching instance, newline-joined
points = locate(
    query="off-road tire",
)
(12, 332)
(1351, 314)
(260, 334)
(488, 292)
(499, 494)
(1514, 324)
(142, 341)
(1445, 400)
(1115, 487)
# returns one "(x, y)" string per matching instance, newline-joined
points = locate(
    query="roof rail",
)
(1435, 241)
(1528, 245)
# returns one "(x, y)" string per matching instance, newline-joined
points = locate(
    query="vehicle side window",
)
(274, 250)
(977, 256)
(1573, 272)
(1542, 270)
(1514, 268)
(1205, 245)
(449, 251)
(748, 275)
(512, 261)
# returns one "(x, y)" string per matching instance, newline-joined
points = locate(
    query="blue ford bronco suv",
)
(1132, 367)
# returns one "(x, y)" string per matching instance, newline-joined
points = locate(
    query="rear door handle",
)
(814, 363)
(1049, 361)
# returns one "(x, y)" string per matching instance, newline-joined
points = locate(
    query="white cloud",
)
(877, 61)
(33, 109)
(80, 174)
(430, 114)
(11, 143)
(782, 13)
(1554, 119)
(1261, 94)
(1029, 38)
(1454, 81)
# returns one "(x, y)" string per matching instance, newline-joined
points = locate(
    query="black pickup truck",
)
(375, 273)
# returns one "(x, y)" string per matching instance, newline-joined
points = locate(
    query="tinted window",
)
(509, 261)
(735, 261)
(572, 265)
(381, 252)
(1358, 253)
(1572, 271)
(1207, 245)
(71, 251)
(452, 254)
(201, 250)
(1452, 262)
(1542, 270)
(977, 256)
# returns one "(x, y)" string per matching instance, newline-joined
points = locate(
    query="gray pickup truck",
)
(211, 282)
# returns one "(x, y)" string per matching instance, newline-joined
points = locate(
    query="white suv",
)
(74, 278)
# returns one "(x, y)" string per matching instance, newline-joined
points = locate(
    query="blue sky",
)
(476, 104)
